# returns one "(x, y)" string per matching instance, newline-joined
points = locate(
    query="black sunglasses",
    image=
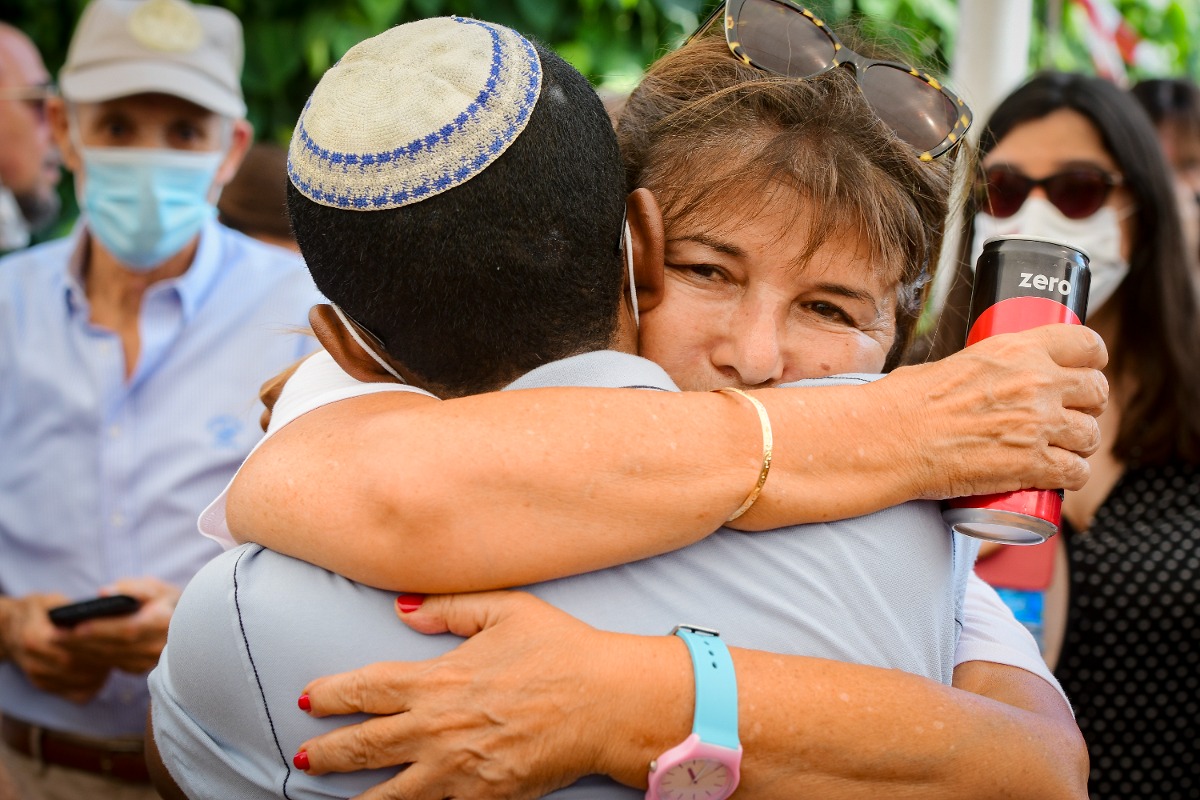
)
(785, 38)
(1077, 193)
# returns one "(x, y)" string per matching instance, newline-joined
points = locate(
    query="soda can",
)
(1021, 282)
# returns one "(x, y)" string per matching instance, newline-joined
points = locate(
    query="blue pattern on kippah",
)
(443, 136)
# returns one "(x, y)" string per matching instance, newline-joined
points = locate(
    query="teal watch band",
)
(716, 717)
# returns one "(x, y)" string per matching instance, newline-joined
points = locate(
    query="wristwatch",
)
(705, 765)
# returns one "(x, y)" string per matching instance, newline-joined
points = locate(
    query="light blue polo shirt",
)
(254, 627)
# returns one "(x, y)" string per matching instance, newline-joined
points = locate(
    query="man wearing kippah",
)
(128, 352)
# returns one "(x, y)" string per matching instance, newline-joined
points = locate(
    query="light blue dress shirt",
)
(101, 477)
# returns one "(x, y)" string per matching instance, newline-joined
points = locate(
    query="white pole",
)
(991, 51)
(991, 58)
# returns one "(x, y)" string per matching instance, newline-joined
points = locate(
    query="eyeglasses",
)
(34, 96)
(785, 38)
(1077, 193)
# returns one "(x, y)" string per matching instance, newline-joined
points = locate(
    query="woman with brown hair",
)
(1071, 157)
(793, 215)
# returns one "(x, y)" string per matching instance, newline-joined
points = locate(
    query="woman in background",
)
(1072, 158)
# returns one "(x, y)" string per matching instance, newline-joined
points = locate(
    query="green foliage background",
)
(290, 43)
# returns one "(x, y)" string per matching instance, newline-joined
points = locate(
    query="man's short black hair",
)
(517, 267)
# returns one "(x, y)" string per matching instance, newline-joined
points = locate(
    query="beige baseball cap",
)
(127, 47)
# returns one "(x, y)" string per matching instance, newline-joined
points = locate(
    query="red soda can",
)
(1021, 282)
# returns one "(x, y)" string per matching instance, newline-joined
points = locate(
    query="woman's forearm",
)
(816, 728)
(497, 490)
(510, 488)
(1013, 412)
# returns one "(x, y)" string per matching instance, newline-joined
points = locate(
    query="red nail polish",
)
(304, 703)
(407, 603)
(301, 760)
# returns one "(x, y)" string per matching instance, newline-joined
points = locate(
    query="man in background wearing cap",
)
(130, 354)
(28, 161)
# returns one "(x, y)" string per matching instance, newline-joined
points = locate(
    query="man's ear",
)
(649, 242)
(338, 342)
(56, 115)
(241, 136)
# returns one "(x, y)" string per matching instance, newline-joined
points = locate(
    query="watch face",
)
(696, 779)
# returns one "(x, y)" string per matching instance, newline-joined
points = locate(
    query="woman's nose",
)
(751, 351)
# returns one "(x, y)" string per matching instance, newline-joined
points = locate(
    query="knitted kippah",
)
(412, 112)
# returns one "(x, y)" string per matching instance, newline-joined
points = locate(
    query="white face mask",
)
(367, 348)
(1098, 235)
(627, 244)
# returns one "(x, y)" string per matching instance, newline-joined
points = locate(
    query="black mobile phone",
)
(114, 605)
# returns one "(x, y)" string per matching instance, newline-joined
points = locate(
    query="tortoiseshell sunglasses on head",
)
(785, 38)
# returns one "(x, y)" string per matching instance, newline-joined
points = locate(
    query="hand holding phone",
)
(116, 605)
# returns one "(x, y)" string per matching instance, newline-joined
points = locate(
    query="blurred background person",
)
(1174, 106)
(1072, 158)
(130, 354)
(29, 168)
(254, 202)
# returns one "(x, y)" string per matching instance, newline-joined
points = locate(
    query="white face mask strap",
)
(628, 246)
(354, 334)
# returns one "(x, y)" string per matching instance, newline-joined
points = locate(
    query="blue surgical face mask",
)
(145, 205)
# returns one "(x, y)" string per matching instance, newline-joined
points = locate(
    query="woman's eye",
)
(831, 311)
(704, 271)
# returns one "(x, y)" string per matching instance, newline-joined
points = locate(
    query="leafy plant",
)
(290, 43)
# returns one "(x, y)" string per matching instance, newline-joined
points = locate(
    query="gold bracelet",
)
(768, 444)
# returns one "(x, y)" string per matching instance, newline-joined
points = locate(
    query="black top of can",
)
(1043, 239)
